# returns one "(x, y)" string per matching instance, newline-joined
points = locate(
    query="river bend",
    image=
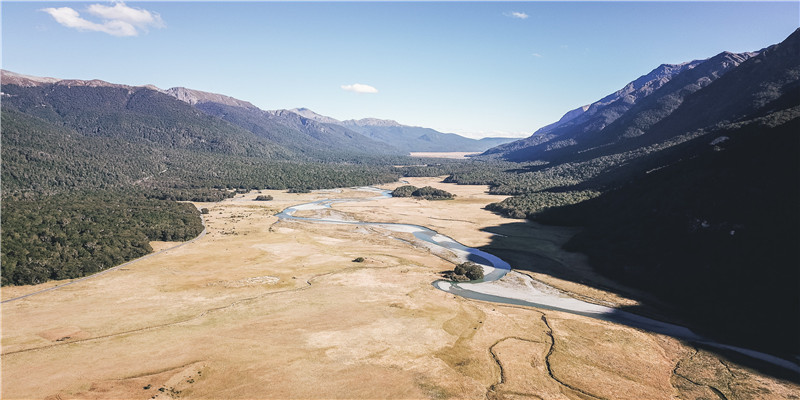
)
(526, 291)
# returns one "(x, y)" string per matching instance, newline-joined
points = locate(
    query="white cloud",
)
(537, 55)
(116, 20)
(120, 12)
(516, 14)
(359, 88)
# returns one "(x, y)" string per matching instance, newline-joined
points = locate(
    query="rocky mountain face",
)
(12, 78)
(618, 101)
(306, 113)
(586, 126)
(193, 97)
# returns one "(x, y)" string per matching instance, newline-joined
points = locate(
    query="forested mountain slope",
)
(701, 184)
(716, 235)
(67, 134)
(78, 154)
(134, 114)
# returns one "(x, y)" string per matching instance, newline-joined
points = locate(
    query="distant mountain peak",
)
(193, 97)
(372, 122)
(13, 78)
(307, 113)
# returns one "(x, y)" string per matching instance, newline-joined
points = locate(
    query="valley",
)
(261, 305)
(160, 241)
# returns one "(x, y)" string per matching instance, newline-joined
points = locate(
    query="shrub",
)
(263, 198)
(358, 259)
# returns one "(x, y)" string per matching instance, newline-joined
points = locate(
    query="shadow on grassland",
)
(537, 248)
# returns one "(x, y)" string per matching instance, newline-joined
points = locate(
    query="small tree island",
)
(427, 193)
(468, 271)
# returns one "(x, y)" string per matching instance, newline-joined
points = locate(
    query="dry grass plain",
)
(265, 309)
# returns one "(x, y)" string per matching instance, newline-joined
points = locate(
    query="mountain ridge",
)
(626, 113)
(408, 138)
(388, 132)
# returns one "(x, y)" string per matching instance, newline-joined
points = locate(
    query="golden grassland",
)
(265, 309)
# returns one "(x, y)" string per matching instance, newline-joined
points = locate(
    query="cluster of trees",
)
(532, 204)
(467, 271)
(404, 191)
(427, 193)
(72, 235)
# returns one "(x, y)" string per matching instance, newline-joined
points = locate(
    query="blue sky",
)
(476, 68)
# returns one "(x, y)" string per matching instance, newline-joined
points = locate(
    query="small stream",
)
(525, 291)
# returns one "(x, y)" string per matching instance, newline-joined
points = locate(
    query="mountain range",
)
(65, 133)
(408, 138)
(299, 130)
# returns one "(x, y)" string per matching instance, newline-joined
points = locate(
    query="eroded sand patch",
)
(64, 333)
(253, 281)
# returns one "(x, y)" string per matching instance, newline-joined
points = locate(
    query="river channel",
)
(524, 291)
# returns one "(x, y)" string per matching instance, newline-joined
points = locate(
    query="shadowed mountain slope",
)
(710, 224)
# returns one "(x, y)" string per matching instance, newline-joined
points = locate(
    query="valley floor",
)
(262, 308)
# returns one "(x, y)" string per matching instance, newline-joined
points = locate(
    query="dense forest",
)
(70, 235)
